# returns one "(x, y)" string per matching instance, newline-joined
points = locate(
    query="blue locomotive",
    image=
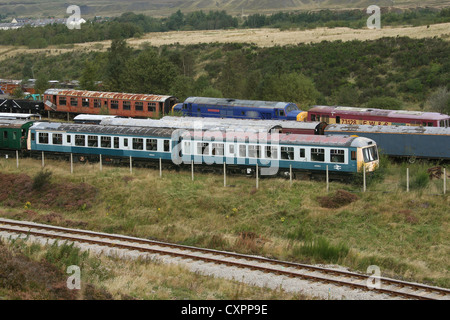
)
(239, 109)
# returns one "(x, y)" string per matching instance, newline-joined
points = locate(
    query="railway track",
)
(391, 287)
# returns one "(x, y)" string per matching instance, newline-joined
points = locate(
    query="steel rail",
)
(392, 282)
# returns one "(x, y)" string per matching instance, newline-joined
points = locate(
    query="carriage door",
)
(338, 119)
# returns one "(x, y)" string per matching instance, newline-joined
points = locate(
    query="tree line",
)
(130, 25)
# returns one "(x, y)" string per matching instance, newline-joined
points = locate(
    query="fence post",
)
(224, 174)
(17, 159)
(160, 168)
(364, 178)
(131, 164)
(257, 176)
(407, 179)
(192, 169)
(445, 182)
(43, 161)
(290, 175)
(328, 181)
(71, 163)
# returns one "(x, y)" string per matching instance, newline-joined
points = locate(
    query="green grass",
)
(405, 234)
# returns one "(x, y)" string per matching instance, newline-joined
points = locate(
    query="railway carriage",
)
(369, 116)
(308, 154)
(13, 134)
(89, 141)
(402, 141)
(242, 151)
(112, 103)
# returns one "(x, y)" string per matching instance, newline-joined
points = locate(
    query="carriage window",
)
(62, 101)
(80, 140)
(116, 143)
(33, 136)
(5, 134)
(370, 154)
(43, 137)
(302, 153)
(242, 150)
(152, 144)
(254, 151)
(57, 138)
(139, 106)
(138, 144)
(125, 142)
(114, 104)
(317, 154)
(313, 117)
(187, 147)
(353, 155)
(287, 153)
(96, 103)
(92, 141)
(74, 102)
(105, 142)
(85, 102)
(14, 135)
(203, 148)
(68, 138)
(430, 124)
(126, 105)
(282, 114)
(151, 107)
(231, 148)
(337, 156)
(217, 149)
(166, 145)
(271, 152)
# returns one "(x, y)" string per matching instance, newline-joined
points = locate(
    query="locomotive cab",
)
(366, 154)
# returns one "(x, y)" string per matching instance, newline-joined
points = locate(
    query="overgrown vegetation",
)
(386, 73)
(405, 234)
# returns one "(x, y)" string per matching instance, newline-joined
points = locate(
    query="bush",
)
(42, 179)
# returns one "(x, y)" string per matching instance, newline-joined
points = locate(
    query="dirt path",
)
(262, 37)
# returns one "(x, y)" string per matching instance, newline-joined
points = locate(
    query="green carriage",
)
(14, 133)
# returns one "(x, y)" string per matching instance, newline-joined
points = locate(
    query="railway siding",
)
(307, 279)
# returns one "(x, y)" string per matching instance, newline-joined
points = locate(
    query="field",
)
(264, 37)
(406, 234)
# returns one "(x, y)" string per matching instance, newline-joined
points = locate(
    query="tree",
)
(291, 87)
(439, 100)
(89, 76)
(115, 71)
(149, 73)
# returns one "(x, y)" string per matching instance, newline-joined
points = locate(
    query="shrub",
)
(321, 249)
(42, 179)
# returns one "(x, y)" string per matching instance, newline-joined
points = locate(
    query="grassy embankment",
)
(406, 234)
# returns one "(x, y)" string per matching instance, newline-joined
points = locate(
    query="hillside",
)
(45, 8)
